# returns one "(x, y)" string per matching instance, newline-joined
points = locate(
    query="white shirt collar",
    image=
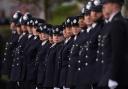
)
(94, 25)
(14, 32)
(66, 41)
(75, 37)
(88, 29)
(35, 37)
(24, 33)
(82, 30)
(106, 21)
(53, 45)
(44, 42)
(112, 16)
(29, 36)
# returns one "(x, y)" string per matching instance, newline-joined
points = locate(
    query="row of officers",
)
(87, 51)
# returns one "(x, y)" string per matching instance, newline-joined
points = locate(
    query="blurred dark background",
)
(54, 11)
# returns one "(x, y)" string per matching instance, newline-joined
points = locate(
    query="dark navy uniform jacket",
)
(40, 61)
(61, 66)
(17, 60)
(50, 62)
(114, 49)
(74, 54)
(8, 53)
(88, 67)
(30, 57)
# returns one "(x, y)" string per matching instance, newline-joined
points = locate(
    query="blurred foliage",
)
(5, 32)
(62, 12)
(29, 1)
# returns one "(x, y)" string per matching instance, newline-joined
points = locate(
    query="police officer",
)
(50, 38)
(64, 54)
(30, 56)
(10, 49)
(88, 62)
(11, 44)
(40, 57)
(114, 47)
(74, 51)
(29, 38)
(51, 57)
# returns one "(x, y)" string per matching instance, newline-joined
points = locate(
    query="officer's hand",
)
(65, 88)
(56, 88)
(112, 84)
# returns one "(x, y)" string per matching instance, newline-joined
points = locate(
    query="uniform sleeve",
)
(118, 47)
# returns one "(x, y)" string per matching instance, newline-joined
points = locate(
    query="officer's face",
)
(50, 38)
(40, 36)
(18, 29)
(64, 33)
(13, 26)
(34, 31)
(81, 22)
(105, 14)
(57, 38)
(29, 29)
(68, 32)
(75, 30)
(44, 36)
(88, 20)
(107, 8)
(24, 28)
(95, 15)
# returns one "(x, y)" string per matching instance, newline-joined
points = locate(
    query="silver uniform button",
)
(102, 53)
(79, 61)
(17, 58)
(86, 49)
(76, 45)
(102, 45)
(99, 36)
(86, 64)
(79, 69)
(6, 48)
(97, 59)
(10, 42)
(86, 56)
(98, 51)
(4, 59)
(17, 64)
(69, 59)
(102, 61)
(98, 44)
(12, 65)
(4, 53)
(69, 66)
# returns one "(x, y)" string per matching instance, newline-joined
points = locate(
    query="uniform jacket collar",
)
(115, 16)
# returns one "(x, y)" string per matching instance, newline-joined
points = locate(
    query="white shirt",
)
(88, 29)
(30, 35)
(66, 41)
(75, 38)
(112, 16)
(94, 25)
(53, 45)
(43, 43)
